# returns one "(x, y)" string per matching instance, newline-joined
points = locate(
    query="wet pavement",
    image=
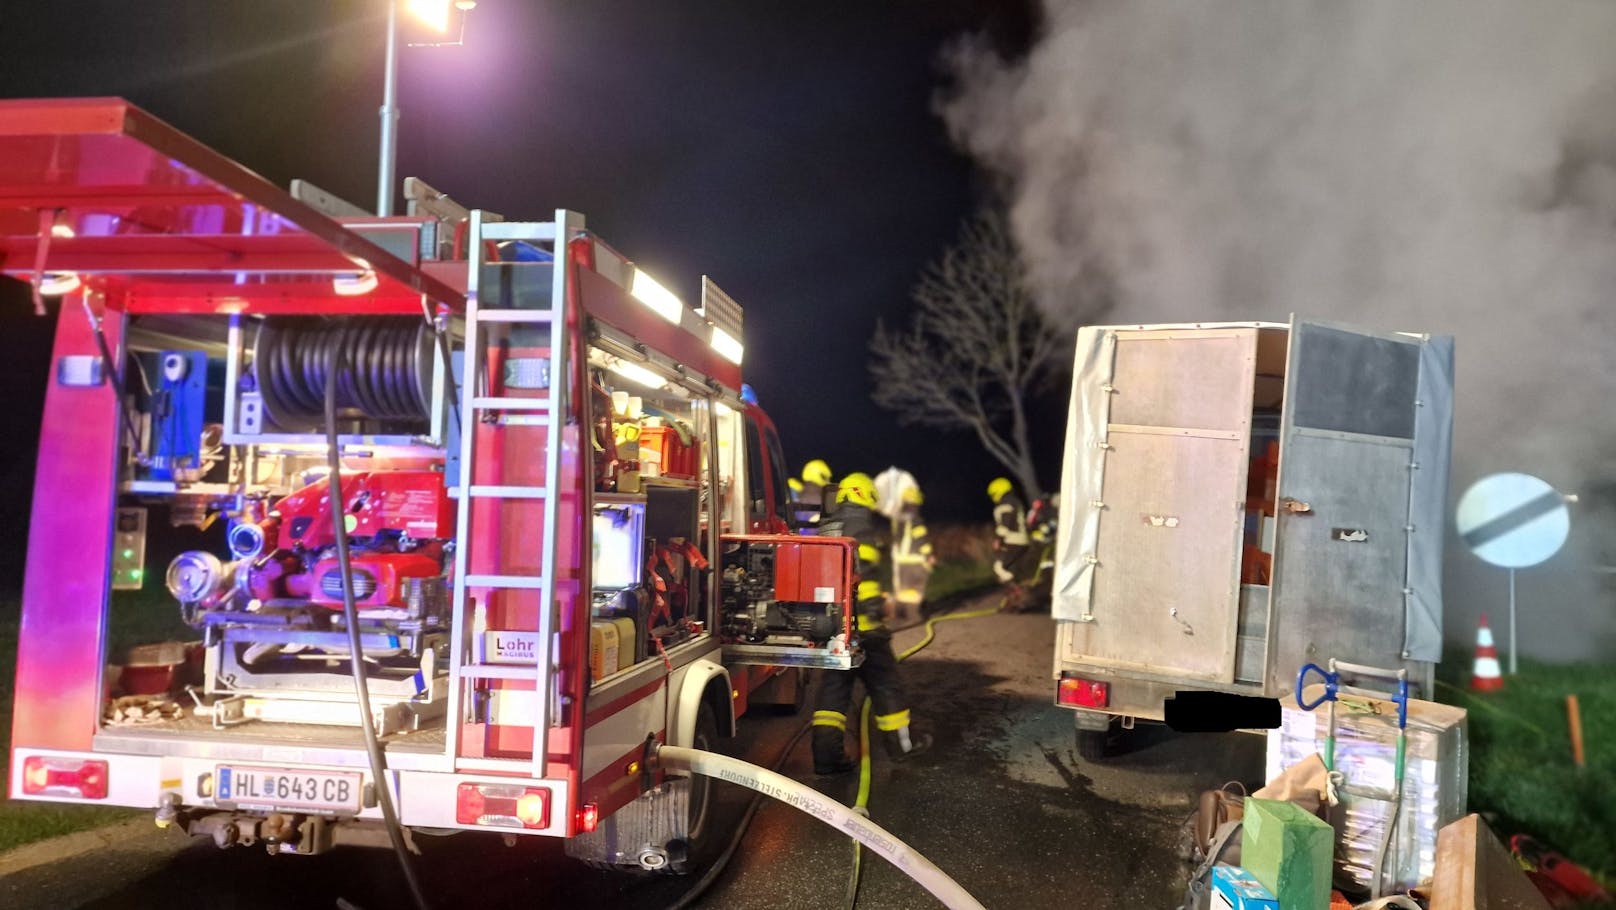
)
(1002, 803)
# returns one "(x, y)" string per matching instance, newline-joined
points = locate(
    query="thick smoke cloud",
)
(1446, 166)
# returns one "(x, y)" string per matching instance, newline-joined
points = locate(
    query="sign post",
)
(1513, 521)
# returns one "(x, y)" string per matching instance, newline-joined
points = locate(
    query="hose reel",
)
(389, 379)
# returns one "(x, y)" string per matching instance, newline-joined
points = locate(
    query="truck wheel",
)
(702, 840)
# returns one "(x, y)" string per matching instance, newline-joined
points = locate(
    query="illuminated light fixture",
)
(1086, 693)
(635, 373)
(354, 284)
(62, 230)
(723, 409)
(646, 290)
(55, 284)
(433, 14)
(727, 345)
(61, 776)
(588, 818)
(502, 805)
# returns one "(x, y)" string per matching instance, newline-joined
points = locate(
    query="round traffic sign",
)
(1513, 520)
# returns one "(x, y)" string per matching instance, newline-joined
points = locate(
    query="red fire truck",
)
(562, 534)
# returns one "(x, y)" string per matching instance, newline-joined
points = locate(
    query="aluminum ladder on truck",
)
(478, 405)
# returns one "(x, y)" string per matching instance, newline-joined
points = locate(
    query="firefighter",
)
(854, 516)
(1010, 542)
(912, 558)
(810, 504)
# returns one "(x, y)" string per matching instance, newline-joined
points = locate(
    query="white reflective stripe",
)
(1487, 668)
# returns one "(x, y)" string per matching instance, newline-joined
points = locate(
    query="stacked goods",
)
(1434, 783)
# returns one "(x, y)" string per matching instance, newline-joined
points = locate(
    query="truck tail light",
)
(502, 806)
(588, 818)
(1083, 693)
(77, 777)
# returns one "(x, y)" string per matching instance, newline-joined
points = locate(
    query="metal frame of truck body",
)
(152, 222)
(1148, 588)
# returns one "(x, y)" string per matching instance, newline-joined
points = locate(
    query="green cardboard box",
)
(1289, 850)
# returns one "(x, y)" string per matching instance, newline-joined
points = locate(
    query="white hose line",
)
(829, 811)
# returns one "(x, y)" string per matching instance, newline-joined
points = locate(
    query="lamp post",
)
(435, 14)
(389, 112)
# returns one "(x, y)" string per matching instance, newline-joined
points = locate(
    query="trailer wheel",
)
(1099, 745)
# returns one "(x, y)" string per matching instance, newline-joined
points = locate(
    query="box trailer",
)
(1241, 499)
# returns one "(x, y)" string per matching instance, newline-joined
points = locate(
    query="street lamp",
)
(435, 15)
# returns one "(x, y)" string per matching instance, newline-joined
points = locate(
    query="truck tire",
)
(704, 838)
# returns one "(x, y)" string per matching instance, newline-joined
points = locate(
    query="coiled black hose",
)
(388, 375)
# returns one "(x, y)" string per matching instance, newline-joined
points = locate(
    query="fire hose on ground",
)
(862, 801)
(858, 810)
(829, 811)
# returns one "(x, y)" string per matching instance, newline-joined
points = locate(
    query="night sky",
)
(789, 150)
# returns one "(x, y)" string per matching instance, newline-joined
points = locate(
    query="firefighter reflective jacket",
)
(849, 519)
(911, 558)
(1010, 521)
(912, 543)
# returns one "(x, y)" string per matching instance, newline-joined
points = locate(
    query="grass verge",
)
(1521, 768)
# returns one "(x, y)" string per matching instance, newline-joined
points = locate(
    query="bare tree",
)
(976, 349)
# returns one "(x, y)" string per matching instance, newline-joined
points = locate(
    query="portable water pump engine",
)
(399, 524)
(769, 598)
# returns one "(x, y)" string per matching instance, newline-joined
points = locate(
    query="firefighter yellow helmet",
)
(794, 484)
(999, 486)
(857, 488)
(913, 496)
(816, 472)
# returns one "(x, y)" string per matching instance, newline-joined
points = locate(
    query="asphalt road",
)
(1003, 804)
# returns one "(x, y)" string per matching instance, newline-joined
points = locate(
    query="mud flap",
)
(649, 832)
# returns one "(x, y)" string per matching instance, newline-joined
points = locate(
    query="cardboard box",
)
(1435, 784)
(1233, 888)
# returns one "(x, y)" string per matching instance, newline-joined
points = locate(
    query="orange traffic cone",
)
(1486, 676)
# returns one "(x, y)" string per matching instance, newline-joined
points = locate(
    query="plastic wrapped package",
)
(1435, 779)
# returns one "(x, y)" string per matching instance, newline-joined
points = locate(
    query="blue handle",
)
(1331, 680)
(1402, 703)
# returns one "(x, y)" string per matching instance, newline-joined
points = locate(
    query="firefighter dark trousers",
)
(889, 710)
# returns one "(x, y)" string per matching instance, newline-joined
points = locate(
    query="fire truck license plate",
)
(280, 788)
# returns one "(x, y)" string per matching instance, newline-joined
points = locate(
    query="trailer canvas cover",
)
(1322, 364)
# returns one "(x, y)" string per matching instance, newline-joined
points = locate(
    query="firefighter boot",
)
(903, 745)
(830, 756)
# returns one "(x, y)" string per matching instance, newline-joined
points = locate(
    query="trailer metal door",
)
(1342, 541)
(1166, 581)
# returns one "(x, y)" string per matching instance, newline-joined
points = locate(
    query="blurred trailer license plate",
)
(281, 788)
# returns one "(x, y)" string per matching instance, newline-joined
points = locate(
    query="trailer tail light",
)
(75, 777)
(588, 818)
(502, 806)
(1083, 693)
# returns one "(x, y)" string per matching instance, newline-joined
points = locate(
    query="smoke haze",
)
(1447, 166)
